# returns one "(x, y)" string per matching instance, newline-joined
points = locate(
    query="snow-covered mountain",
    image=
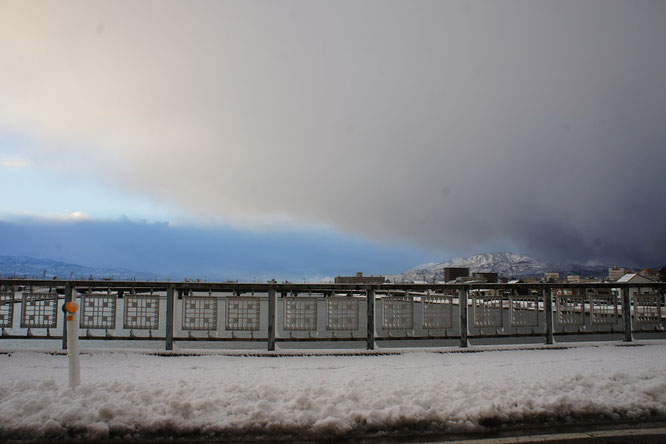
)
(30, 267)
(504, 263)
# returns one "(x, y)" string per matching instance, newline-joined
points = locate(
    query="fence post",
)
(72, 312)
(169, 318)
(626, 313)
(68, 298)
(462, 308)
(370, 309)
(548, 310)
(272, 303)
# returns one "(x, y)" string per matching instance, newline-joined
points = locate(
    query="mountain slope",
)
(24, 266)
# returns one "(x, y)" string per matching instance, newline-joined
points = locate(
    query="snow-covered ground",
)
(134, 394)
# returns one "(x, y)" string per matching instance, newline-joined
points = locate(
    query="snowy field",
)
(135, 394)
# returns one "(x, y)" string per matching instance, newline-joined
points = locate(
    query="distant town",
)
(462, 275)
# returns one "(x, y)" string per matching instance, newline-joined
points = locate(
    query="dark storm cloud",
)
(452, 125)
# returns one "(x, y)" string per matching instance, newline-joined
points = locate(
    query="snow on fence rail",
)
(188, 311)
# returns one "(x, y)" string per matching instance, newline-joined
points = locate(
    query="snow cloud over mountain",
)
(506, 264)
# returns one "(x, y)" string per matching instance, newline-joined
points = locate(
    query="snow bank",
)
(137, 395)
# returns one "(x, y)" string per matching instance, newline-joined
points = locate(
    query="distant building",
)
(551, 276)
(489, 276)
(615, 273)
(573, 278)
(452, 273)
(635, 278)
(650, 273)
(360, 279)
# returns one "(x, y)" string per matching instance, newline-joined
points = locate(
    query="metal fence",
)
(367, 313)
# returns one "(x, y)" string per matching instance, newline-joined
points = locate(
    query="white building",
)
(635, 278)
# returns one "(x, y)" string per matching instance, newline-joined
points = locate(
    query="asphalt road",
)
(643, 433)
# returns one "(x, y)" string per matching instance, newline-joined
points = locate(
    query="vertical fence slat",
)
(169, 318)
(462, 307)
(272, 305)
(626, 313)
(68, 298)
(370, 308)
(548, 310)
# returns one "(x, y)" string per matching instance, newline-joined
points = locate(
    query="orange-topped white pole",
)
(71, 310)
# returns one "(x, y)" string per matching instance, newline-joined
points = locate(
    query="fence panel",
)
(571, 309)
(300, 313)
(6, 309)
(39, 310)
(397, 313)
(437, 312)
(243, 314)
(524, 310)
(98, 311)
(199, 313)
(142, 312)
(342, 313)
(647, 310)
(487, 310)
(603, 308)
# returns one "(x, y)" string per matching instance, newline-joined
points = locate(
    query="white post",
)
(73, 364)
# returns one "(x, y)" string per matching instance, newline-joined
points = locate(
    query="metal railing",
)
(271, 313)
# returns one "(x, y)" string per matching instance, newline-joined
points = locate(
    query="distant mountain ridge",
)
(30, 267)
(504, 263)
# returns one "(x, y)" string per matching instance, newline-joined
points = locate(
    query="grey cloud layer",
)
(538, 125)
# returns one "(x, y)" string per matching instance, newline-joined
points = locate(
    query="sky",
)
(380, 134)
